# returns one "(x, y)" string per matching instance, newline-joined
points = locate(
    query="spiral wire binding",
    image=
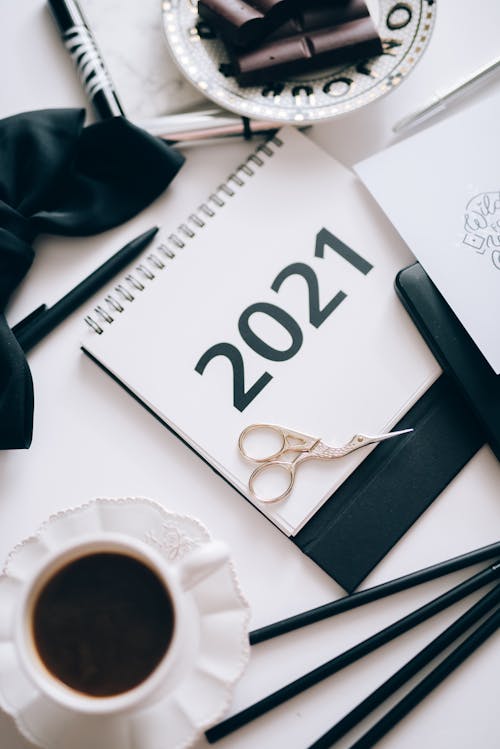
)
(155, 262)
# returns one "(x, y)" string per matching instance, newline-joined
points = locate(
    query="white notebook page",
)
(441, 189)
(359, 370)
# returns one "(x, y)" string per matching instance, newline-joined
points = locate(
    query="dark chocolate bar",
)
(320, 15)
(303, 52)
(244, 23)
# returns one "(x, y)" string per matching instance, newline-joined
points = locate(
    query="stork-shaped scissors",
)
(305, 448)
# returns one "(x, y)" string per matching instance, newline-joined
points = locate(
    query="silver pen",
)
(205, 125)
(440, 102)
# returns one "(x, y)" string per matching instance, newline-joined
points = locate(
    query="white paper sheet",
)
(441, 189)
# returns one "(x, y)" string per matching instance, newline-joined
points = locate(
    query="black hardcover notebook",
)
(453, 348)
(272, 301)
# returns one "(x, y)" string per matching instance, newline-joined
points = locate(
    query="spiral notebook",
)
(272, 301)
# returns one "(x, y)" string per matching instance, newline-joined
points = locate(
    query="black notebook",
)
(453, 348)
(272, 301)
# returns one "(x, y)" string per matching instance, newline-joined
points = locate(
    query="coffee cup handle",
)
(201, 562)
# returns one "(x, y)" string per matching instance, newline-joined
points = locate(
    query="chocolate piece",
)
(301, 53)
(243, 23)
(320, 15)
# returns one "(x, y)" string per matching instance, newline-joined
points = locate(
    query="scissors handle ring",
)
(287, 467)
(253, 428)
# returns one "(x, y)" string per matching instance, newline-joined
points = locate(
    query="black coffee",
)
(103, 623)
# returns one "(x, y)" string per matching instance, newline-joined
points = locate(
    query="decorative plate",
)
(405, 29)
(199, 699)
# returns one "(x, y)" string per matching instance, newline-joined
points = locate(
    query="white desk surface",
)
(91, 439)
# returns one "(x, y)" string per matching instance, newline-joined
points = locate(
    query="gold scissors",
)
(305, 446)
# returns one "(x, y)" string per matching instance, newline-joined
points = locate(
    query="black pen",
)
(81, 45)
(42, 321)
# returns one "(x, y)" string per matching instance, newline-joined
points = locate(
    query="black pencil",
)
(353, 654)
(373, 594)
(430, 682)
(412, 667)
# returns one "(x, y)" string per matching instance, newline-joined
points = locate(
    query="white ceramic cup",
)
(177, 580)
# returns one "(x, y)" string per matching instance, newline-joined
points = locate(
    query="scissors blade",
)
(388, 436)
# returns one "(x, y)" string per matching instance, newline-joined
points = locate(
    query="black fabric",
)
(59, 177)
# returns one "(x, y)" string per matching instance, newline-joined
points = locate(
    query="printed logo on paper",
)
(482, 225)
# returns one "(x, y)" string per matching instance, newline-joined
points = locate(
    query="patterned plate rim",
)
(405, 29)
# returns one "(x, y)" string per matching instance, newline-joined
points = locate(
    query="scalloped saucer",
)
(219, 654)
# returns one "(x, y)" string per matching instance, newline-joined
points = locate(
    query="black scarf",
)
(58, 177)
